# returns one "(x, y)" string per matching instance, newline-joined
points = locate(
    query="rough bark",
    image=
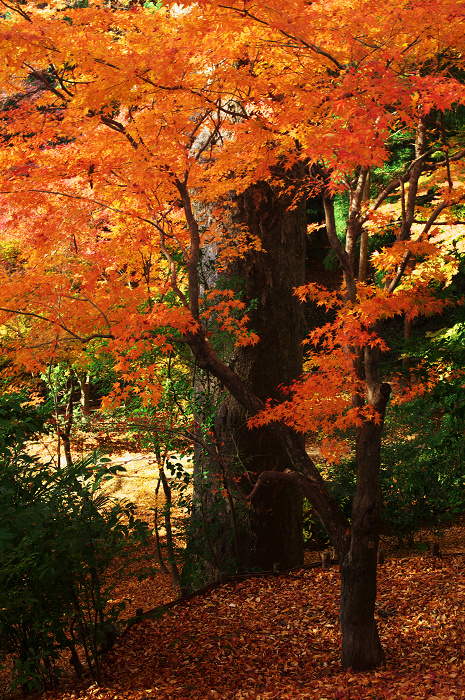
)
(269, 530)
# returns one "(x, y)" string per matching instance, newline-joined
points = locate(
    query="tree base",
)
(361, 647)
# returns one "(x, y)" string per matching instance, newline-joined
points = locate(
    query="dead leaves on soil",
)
(279, 637)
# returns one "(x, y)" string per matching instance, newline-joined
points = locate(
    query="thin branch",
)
(402, 267)
(298, 40)
(89, 301)
(288, 476)
(85, 199)
(354, 225)
(454, 222)
(446, 150)
(442, 163)
(194, 252)
(82, 339)
(389, 189)
(120, 128)
(337, 246)
(46, 83)
(402, 201)
(15, 8)
(171, 263)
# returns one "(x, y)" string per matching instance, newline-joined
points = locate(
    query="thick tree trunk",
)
(269, 530)
(361, 646)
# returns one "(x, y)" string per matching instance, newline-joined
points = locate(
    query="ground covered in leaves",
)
(278, 637)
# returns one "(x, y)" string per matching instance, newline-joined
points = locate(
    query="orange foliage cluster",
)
(121, 123)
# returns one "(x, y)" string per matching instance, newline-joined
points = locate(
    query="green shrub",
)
(422, 468)
(59, 534)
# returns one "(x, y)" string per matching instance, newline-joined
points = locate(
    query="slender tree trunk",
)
(361, 646)
(175, 577)
(161, 562)
(65, 432)
(84, 385)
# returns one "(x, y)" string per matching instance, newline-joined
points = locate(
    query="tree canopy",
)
(120, 121)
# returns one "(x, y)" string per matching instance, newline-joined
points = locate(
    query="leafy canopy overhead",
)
(119, 122)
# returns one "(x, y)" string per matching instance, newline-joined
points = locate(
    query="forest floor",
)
(278, 636)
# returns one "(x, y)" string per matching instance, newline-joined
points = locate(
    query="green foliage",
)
(18, 422)
(181, 482)
(402, 151)
(100, 365)
(422, 466)
(422, 475)
(59, 534)
(341, 212)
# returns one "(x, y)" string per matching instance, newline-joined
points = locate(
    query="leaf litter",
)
(279, 637)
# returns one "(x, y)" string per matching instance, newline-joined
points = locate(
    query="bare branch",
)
(337, 246)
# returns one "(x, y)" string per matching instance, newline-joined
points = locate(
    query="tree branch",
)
(298, 40)
(402, 267)
(82, 339)
(336, 245)
(15, 8)
(194, 251)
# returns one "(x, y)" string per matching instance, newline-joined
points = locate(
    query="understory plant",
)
(60, 536)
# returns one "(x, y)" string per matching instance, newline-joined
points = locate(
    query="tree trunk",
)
(361, 646)
(84, 385)
(269, 530)
(175, 577)
(65, 432)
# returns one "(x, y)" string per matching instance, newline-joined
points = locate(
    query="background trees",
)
(119, 123)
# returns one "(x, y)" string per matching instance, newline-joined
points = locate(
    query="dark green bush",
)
(59, 535)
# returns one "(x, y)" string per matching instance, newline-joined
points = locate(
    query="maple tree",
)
(119, 121)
